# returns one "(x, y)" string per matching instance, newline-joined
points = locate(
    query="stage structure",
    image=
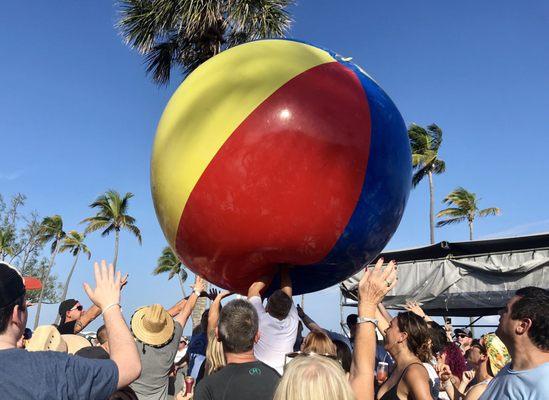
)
(468, 279)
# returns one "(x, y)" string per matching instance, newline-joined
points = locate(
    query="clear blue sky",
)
(78, 115)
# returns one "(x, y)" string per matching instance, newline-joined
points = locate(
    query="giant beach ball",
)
(279, 153)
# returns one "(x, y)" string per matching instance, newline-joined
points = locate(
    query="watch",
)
(361, 320)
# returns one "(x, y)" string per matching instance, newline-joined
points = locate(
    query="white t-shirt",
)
(434, 380)
(276, 337)
(531, 384)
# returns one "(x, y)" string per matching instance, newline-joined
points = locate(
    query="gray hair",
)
(238, 326)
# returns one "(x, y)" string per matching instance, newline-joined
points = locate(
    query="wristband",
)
(110, 306)
(361, 320)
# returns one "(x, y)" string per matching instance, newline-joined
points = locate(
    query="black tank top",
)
(391, 394)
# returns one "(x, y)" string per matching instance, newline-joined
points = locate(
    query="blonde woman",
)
(215, 358)
(318, 342)
(314, 377)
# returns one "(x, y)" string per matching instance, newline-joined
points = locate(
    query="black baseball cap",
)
(65, 306)
(463, 331)
(352, 319)
(12, 285)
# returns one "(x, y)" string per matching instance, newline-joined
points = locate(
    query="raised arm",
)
(257, 287)
(382, 321)
(106, 296)
(374, 285)
(185, 313)
(215, 308)
(286, 282)
(416, 309)
(177, 307)
(308, 321)
(93, 312)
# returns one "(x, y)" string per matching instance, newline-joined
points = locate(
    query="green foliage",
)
(74, 243)
(23, 246)
(425, 144)
(186, 33)
(112, 215)
(463, 207)
(169, 262)
(51, 230)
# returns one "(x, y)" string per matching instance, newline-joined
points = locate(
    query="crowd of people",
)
(253, 348)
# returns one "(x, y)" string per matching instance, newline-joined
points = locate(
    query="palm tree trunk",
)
(66, 288)
(116, 240)
(431, 208)
(44, 284)
(200, 307)
(470, 230)
(181, 284)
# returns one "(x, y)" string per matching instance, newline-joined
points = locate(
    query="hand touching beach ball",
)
(278, 153)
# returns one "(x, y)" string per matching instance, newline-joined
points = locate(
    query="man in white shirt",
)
(523, 327)
(278, 321)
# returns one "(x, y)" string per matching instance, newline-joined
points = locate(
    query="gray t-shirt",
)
(156, 364)
(49, 375)
(532, 384)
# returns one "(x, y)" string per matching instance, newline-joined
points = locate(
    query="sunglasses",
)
(461, 336)
(79, 308)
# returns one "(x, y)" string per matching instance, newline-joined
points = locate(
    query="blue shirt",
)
(532, 384)
(45, 375)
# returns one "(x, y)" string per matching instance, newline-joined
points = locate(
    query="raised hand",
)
(199, 285)
(107, 286)
(377, 282)
(468, 376)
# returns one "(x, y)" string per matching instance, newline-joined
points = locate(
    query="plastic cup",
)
(189, 382)
(382, 371)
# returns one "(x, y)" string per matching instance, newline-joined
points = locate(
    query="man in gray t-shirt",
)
(158, 336)
(156, 364)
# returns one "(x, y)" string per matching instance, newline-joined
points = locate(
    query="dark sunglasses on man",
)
(79, 308)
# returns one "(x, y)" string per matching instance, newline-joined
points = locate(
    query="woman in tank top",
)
(407, 340)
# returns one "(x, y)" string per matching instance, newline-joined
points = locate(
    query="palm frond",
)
(489, 211)
(450, 221)
(452, 212)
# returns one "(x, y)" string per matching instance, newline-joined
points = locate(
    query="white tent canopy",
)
(464, 278)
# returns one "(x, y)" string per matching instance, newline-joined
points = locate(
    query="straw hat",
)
(75, 343)
(46, 338)
(152, 325)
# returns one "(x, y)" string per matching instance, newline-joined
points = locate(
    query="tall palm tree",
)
(425, 144)
(112, 216)
(464, 207)
(51, 230)
(186, 33)
(73, 243)
(168, 262)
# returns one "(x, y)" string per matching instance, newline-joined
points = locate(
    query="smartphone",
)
(448, 320)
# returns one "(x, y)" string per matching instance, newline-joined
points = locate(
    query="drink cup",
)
(382, 371)
(189, 382)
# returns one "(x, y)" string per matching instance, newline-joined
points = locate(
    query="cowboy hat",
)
(75, 343)
(46, 338)
(152, 325)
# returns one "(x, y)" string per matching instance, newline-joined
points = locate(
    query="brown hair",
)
(418, 334)
(319, 343)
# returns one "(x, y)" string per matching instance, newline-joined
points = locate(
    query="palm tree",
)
(73, 243)
(51, 230)
(187, 33)
(168, 262)
(464, 207)
(425, 144)
(112, 216)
